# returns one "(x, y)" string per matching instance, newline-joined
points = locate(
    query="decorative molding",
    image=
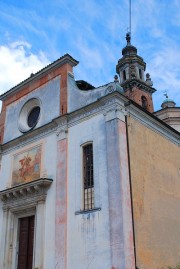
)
(110, 89)
(114, 100)
(62, 133)
(129, 84)
(86, 112)
(62, 127)
(25, 195)
(154, 124)
(64, 122)
(115, 112)
(35, 135)
(29, 137)
(105, 103)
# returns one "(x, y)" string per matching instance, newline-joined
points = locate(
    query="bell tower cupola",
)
(131, 70)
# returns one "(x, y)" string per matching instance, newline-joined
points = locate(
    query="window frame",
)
(90, 194)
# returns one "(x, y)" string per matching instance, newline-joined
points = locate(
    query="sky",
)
(35, 33)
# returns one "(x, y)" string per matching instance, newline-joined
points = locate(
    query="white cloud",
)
(93, 32)
(17, 63)
(164, 68)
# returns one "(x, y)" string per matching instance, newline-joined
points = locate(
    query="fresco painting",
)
(26, 166)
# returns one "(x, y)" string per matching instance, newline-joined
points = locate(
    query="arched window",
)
(124, 75)
(88, 178)
(144, 102)
(140, 73)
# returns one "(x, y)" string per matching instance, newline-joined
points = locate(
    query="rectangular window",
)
(88, 178)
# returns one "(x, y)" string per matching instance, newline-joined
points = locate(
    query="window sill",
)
(87, 211)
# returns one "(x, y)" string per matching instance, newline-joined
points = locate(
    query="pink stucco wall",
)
(61, 205)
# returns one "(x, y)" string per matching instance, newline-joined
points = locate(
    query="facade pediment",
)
(24, 194)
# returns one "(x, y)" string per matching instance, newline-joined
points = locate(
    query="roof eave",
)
(63, 60)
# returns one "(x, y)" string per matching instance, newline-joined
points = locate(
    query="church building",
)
(89, 177)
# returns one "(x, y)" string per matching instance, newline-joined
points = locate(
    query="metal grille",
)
(88, 177)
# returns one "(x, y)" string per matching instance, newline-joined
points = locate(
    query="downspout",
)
(130, 185)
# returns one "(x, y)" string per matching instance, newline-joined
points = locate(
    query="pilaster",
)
(61, 202)
(39, 235)
(121, 232)
(4, 240)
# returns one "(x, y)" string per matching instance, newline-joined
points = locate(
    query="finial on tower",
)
(116, 78)
(128, 38)
(148, 80)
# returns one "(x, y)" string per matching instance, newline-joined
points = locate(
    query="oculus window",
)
(33, 116)
(29, 115)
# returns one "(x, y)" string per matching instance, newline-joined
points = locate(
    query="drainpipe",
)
(130, 184)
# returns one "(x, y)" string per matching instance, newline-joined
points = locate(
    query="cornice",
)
(25, 194)
(172, 120)
(36, 134)
(104, 105)
(167, 110)
(101, 106)
(129, 84)
(29, 137)
(49, 68)
(154, 124)
(130, 58)
(60, 125)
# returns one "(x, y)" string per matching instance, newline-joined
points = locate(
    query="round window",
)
(33, 116)
(29, 115)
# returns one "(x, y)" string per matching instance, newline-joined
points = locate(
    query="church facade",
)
(89, 176)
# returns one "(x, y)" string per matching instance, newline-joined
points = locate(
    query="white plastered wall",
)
(88, 233)
(48, 169)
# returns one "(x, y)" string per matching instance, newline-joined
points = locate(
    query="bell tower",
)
(131, 70)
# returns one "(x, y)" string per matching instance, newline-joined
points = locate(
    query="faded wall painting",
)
(26, 166)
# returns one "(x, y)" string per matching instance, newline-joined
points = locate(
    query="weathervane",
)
(165, 94)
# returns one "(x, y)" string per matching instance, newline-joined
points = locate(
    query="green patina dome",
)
(168, 100)
(168, 103)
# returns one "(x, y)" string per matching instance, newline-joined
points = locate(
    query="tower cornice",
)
(130, 83)
(129, 59)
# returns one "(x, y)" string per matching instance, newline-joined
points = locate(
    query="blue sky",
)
(35, 33)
